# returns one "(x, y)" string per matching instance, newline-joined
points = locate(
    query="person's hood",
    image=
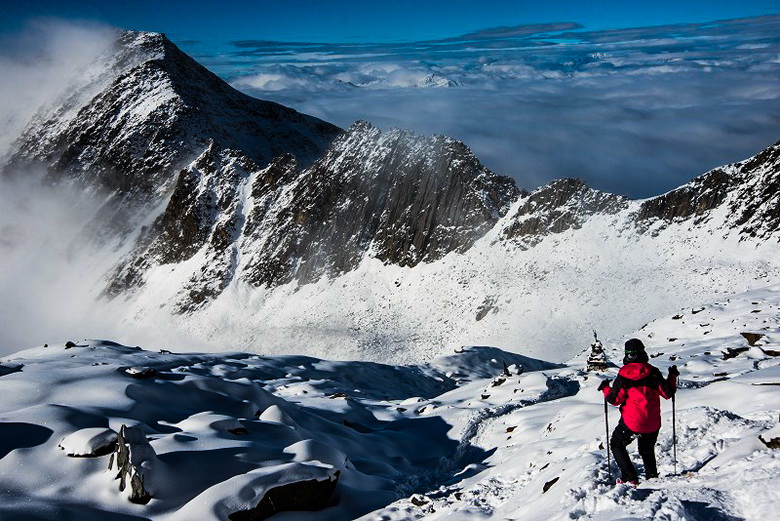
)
(636, 370)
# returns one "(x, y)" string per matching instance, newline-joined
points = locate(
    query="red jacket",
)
(636, 390)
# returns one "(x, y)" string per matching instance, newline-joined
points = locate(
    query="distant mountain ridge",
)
(244, 199)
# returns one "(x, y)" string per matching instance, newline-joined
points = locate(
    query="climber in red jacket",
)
(637, 390)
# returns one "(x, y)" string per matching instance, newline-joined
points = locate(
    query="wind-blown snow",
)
(456, 438)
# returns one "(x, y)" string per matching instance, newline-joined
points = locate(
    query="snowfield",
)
(481, 433)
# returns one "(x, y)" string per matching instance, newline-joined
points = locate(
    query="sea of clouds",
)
(633, 111)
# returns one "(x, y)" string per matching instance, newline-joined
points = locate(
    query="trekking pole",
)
(674, 429)
(606, 423)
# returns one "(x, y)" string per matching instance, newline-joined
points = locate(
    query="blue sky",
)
(370, 21)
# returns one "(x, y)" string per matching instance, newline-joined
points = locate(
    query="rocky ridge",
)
(395, 196)
(141, 113)
(249, 191)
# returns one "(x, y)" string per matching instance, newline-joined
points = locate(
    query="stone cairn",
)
(597, 361)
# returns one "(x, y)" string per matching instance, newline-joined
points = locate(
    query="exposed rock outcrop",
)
(133, 460)
(556, 207)
(308, 495)
(395, 196)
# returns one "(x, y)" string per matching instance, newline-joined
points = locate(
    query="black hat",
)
(634, 345)
(635, 351)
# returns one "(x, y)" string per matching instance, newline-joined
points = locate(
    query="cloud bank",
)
(633, 111)
(48, 279)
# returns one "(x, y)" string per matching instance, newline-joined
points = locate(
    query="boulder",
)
(133, 459)
(752, 338)
(307, 495)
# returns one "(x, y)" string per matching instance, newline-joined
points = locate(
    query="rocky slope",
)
(747, 194)
(145, 110)
(262, 222)
(396, 197)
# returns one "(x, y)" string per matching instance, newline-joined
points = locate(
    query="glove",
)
(603, 384)
(673, 371)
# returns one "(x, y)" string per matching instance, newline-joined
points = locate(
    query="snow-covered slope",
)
(564, 259)
(478, 434)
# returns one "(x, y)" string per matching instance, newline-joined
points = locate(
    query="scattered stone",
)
(486, 307)
(134, 458)
(677, 317)
(549, 484)
(419, 500)
(485, 396)
(8, 369)
(498, 381)
(752, 338)
(310, 495)
(732, 352)
(773, 443)
(69, 344)
(337, 395)
(140, 373)
(511, 429)
(697, 310)
(770, 352)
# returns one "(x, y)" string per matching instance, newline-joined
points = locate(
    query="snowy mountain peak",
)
(144, 112)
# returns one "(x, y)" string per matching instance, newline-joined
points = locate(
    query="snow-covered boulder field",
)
(98, 430)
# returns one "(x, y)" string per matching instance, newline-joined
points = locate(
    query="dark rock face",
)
(10, 368)
(405, 199)
(309, 495)
(692, 200)
(559, 206)
(397, 197)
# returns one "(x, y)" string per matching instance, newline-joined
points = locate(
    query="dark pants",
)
(622, 436)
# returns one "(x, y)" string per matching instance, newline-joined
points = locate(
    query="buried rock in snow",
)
(265, 491)
(89, 443)
(310, 495)
(771, 438)
(134, 458)
(752, 338)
